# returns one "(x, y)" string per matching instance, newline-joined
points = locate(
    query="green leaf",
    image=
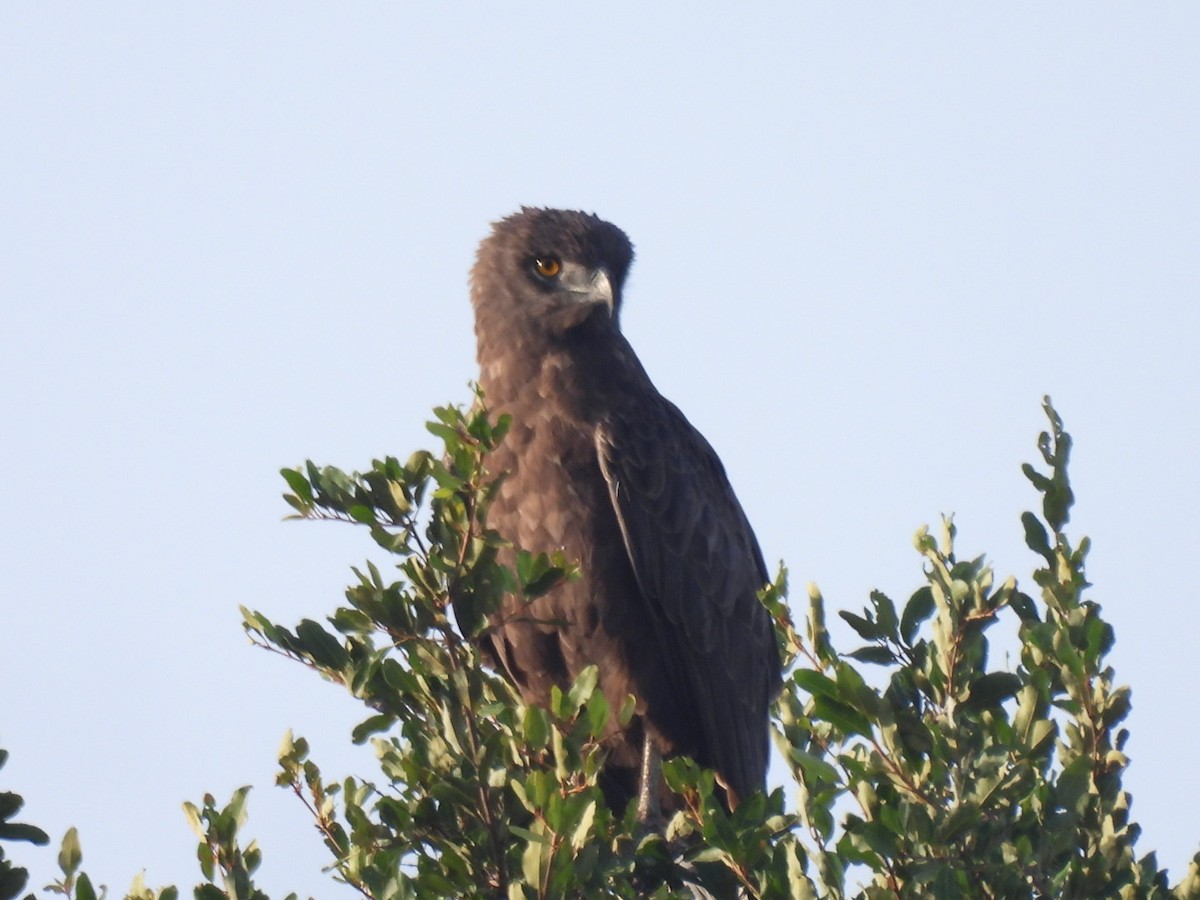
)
(1042, 734)
(885, 613)
(841, 716)
(544, 582)
(298, 483)
(1036, 538)
(814, 768)
(874, 654)
(815, 683)
(993, 689)
(709, 855)
(70, 854)
(920, 607)
(1027, 709)
(628, 708)
(1117, 707)
(12, 880)
(192, 813)
(1024, 607)
(581, 690)
(361, 513)
(597, 714)
(867, 630)
(583, 831)
(535, 852)
(1074, 785)
(445, 432)
(536, 727)
(10, 805)
(14, 831)
(854, 691)
(324, 648)
(879, 839)
(1040, 481)
(84, 889)
(373, 725)
(818, 634)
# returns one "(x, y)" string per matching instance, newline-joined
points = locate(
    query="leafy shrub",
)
(932, 773)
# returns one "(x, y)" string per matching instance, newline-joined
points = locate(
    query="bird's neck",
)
(583, 369)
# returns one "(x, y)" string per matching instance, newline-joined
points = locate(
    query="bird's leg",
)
(649, 808)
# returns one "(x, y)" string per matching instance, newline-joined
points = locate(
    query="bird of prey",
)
(604, 468)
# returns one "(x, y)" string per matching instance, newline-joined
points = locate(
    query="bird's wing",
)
(699, 567)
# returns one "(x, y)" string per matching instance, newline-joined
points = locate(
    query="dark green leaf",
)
(920, 607)
(1117, 707)
(12, 880)
(874, 654)
(815, 683)
(543, 582)
(867, 630)
(325, 649)
(1036, 538)
(993, 689)
(841, 716)
(813, 767)
(83, 888)
(1024, 607)
(10, 805)
(14, 831)
(298, 483)
(368, 727)
(885, 613)
(1040, 481)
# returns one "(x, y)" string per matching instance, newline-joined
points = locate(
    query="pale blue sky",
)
(237, 236)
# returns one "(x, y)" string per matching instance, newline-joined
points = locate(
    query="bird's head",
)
(552, 268)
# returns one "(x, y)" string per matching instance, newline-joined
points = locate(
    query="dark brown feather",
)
(602, 467)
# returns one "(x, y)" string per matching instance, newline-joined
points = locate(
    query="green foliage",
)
(75, 883)
(921, 769)
(930, 772)
(482, 795)
(14, 878)
(219, 852)
(969, 780)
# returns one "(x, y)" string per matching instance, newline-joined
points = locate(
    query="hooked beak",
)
(589, 286)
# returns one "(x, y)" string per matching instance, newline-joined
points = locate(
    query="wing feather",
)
(699, 568)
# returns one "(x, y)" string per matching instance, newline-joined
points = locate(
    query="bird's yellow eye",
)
(547, 266)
